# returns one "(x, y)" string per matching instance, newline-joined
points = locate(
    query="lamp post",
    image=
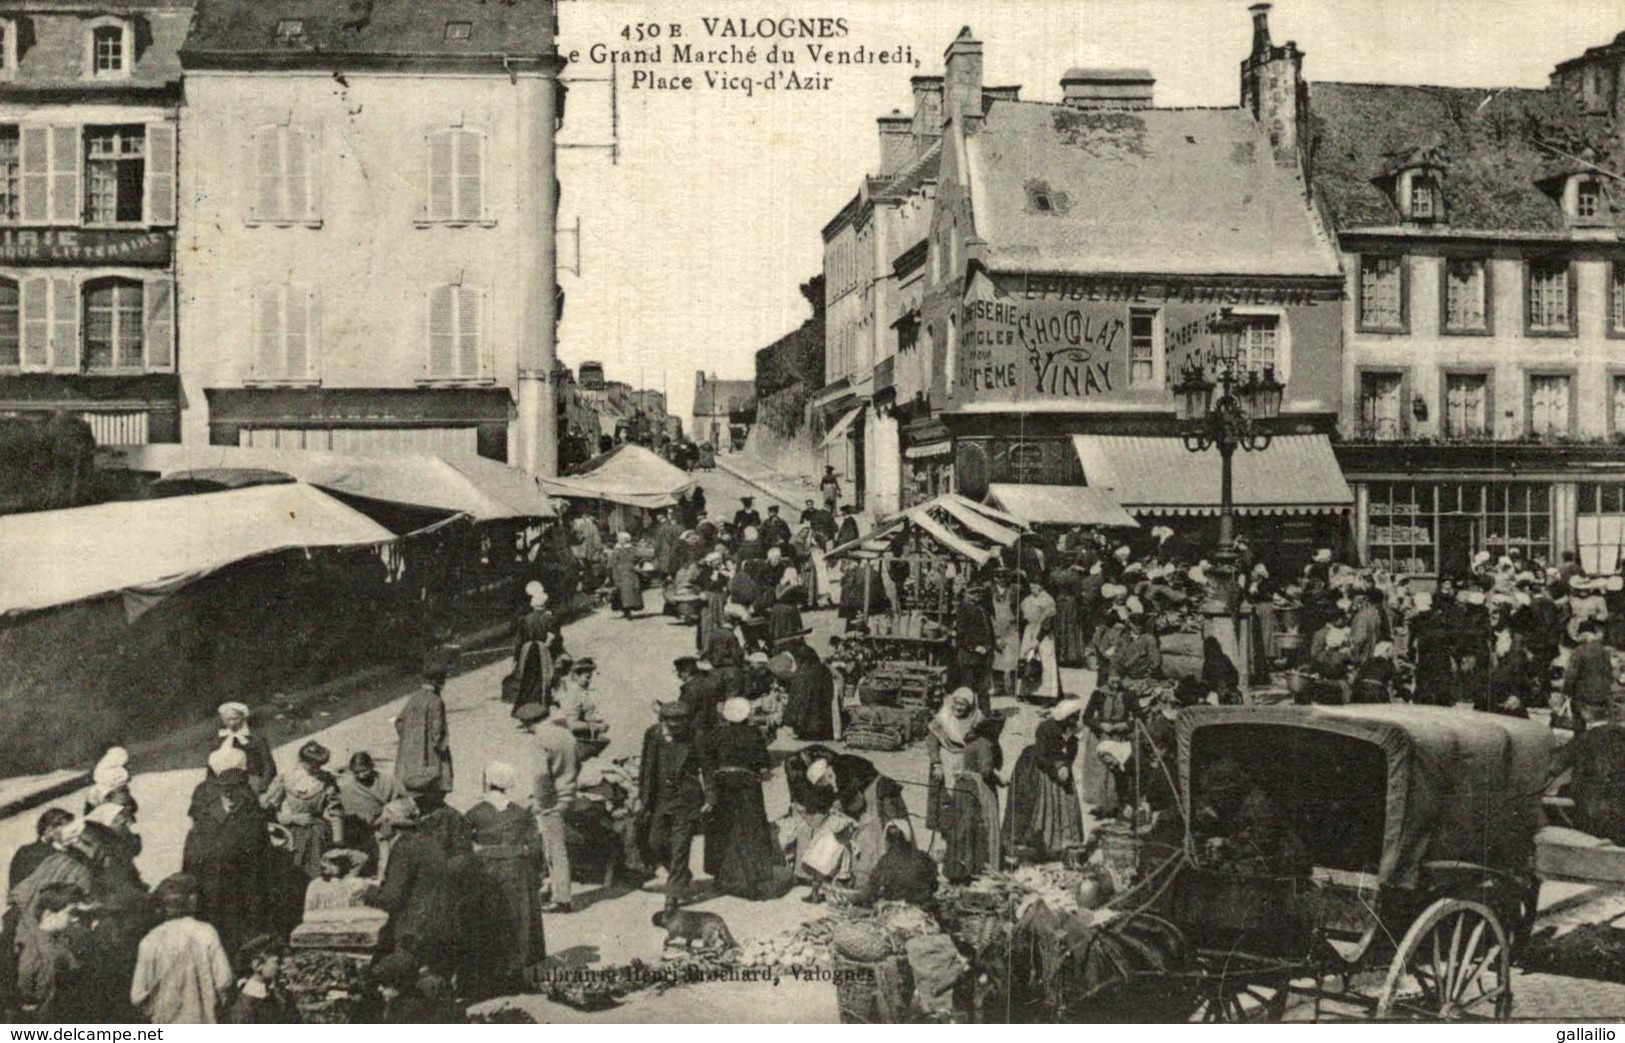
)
(1228, 423)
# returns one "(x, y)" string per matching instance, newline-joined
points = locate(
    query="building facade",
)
(369, 208)
(1081, 252)
(1485, 314)
(720, 411)
(89, 96)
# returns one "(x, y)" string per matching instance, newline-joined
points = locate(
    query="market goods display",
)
(326, 987)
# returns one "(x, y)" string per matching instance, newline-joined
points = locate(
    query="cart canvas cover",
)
(1461, 786)
(630, 475)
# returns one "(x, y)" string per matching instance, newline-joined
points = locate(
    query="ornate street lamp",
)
(1227, 423)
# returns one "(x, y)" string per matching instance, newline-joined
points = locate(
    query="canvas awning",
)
(969, 529)
(59, 557)
(838, 431)
(629, 475)
(1061, 505)
(1297, 474)
(483, 489)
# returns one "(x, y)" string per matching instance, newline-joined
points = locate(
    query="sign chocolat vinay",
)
(1076, 339)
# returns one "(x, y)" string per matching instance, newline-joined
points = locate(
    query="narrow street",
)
(613, 926)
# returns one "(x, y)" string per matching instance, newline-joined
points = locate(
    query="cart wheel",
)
(1454, 963)
(1240, 1000)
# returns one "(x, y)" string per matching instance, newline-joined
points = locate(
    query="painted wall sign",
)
(84, 246)
(1077, 341)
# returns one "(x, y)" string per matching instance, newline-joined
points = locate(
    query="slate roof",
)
(237, 29)
(722, 397)
(1484, 137)
(52, 55)
(908, 180)
(1153, 191)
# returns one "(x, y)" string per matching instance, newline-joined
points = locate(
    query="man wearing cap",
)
(849, 525)
(673, 791)
(423, 756)
(574, 695)
(775, 530)
(235, 731)
(747, 517)
(556, 771)
(182, 973)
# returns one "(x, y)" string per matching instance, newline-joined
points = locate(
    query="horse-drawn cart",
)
(1377, 860)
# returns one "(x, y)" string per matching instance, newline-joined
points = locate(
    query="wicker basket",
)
(872, 993)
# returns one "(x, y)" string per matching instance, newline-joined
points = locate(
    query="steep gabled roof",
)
(229, 31)
(1485, 139)
(1157, 191)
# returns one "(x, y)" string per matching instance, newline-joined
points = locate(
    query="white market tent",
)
(60, 557)
(483, 489)
(629, 475)
(972, 530)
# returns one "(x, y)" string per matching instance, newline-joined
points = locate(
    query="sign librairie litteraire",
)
(85, 246)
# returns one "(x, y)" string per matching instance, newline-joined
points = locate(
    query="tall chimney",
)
(927, 111)
(962, 82)
(896, 142)
(1272, 88)
(1108, 88)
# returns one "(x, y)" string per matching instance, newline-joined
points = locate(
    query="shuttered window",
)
(1466, 405)
(1381, 405)
(11, 323)
(456, 177)
(10, 175)
(1382, 293)
(286, 334)
(1465, 298)
(1548, 297)
(457, 321)
(287, 176)
(48, 175)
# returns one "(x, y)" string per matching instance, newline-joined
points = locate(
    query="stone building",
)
(369, 208)
(89, 96)
(1480, 232)
(1081, 251)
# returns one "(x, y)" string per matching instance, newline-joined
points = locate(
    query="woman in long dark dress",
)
(1066, 583)
(972, 828)
(508, 846)
(1044, 817)
(228, 848)
(1219, 674)
(741, 851)
(623, 572)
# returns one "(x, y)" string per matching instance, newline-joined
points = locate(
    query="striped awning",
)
(1297, 474)
(1061, 505)
(969, 529)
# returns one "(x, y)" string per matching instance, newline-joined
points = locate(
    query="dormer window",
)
(109, 48)
(1588, 203)
(459, 30)
(290, 30)
(1422, 197)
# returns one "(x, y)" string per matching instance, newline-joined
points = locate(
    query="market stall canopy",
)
(482, 489)
(629, 475)
(60, 557)
(1459, 786)
(1061, 505)
(841, 426)
(969, 529)
(1297, 474)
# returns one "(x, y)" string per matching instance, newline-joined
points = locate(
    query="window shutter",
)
(36, 319)
(312, 300)
(64, 323)
(470, 175)
(34, 144)
(295, 332)
(469, 324)
(65, 202)
(442, 184)
(159, 204)
(158, 324)
(295, 175)
(313, 174)
(442, 332)
(267, 174)
(268, 332)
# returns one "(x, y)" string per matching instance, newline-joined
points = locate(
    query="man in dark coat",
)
(672, 790)
(747, 517)
(973, 646)
(849, 527)
(423, 882)
(423, 758)
(697, 690)
(775, 530)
